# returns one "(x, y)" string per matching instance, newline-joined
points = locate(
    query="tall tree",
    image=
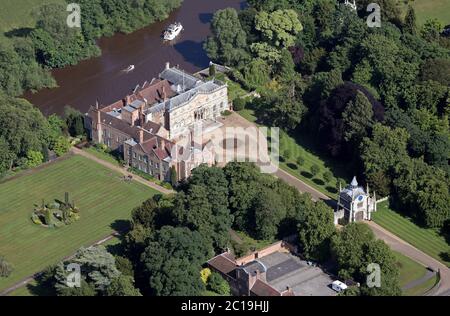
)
(410, 24)
(228, 43)
(279, 27)
(315, 228)
(357, 119)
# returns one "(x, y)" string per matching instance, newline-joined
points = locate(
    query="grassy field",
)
(427, 9)
(18, 13)
(291, 149)
(410, 271)
(105, 202)
(427, 240)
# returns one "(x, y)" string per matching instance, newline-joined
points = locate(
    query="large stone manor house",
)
(146, 125)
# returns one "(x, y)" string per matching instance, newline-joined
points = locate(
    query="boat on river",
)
(130, 68)
(173, 31)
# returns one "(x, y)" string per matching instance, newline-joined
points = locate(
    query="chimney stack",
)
(167, 65)
(164, 94)
(141, 116)
(141, 136)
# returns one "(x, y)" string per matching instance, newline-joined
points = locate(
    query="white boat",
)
(130, 68)
(172, 31)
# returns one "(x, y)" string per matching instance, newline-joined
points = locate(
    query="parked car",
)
(338, 286)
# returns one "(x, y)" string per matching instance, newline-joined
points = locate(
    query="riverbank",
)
(103, 79)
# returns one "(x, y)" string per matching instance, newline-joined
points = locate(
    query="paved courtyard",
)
(285, 270)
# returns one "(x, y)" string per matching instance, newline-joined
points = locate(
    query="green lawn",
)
(291, 149)
(18, 13)
(410, 270)
(104, 199)
(427, 9)
(102, 155)
(422, 288)
(427, 240)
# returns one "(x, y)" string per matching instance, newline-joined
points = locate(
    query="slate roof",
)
(178, 77)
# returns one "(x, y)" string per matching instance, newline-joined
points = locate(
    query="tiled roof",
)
(261, 288)
(222, 263)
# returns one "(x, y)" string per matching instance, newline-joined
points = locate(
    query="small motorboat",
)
(130, 68)
(173, 31)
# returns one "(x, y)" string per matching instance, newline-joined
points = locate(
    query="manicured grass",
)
(428, 9)
(427, 240)
(410, 270)
(291, 149)
(102, 155)
(104, 199)
(421, 288)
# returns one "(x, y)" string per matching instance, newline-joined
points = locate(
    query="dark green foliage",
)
(173, 176)
(122, 286)
(228, 43)
(354, 248)
(204, 205)
(22, 126)
(217, 284)
(85, 289)
(410, 24)
(315, 229)
(239, 104)
(437, 69)
(172, 261)
(75, 121)
(212, 70)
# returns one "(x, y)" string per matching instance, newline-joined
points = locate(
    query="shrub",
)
(212, 70)
(217, 283)
(5, 268)
(300, 161)
(34, 158)
(239, 104)
(287, 154)
(61, 146)
(205, 274)
(327, 176)
(315, 170)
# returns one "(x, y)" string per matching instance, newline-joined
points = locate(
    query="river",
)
(103, 78)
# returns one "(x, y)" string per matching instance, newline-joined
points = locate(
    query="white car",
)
(338, 286)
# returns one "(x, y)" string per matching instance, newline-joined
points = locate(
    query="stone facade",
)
(354, 204)
(146, 125)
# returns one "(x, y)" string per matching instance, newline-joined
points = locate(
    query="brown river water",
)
(104, 78)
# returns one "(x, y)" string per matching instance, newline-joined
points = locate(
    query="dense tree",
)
(97, 269)
(6, 156)
(385, 149)
(228, 43)
(410, 24)
(122, 286)
(431, 30)
(22, 126)
(315, 228)
(357, 119)
(173, 259)
(217, 284)
(437, 70)
(354, 248)
(279, 27)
